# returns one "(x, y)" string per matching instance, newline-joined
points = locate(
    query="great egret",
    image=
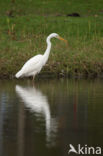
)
(34, 65)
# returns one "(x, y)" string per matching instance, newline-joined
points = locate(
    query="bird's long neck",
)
(47, 52)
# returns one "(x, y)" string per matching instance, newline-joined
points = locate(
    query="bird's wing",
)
(31, 64)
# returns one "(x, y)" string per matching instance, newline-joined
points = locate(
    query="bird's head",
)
(57, 36)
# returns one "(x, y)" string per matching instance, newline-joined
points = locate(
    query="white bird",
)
(34, 65)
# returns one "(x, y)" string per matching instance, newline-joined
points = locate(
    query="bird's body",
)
(31, 67)
(34, 65)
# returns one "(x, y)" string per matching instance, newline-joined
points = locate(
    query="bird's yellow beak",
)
(60, 38)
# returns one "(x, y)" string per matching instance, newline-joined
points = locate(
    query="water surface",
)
(44, 118)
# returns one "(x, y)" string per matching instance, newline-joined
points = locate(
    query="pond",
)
(48, 117)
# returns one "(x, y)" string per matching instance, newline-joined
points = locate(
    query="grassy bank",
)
(24, 26)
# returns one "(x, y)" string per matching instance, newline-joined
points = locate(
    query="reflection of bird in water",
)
(38, 103)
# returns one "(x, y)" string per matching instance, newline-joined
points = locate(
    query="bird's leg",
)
(33, 78)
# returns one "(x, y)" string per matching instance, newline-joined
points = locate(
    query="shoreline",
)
(55, 76)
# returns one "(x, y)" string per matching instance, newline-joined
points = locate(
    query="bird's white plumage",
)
(31, 67)
(34, 65)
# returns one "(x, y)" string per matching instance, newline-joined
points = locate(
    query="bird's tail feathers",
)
(18, 74)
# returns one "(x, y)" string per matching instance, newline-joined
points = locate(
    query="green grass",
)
(25, 24)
